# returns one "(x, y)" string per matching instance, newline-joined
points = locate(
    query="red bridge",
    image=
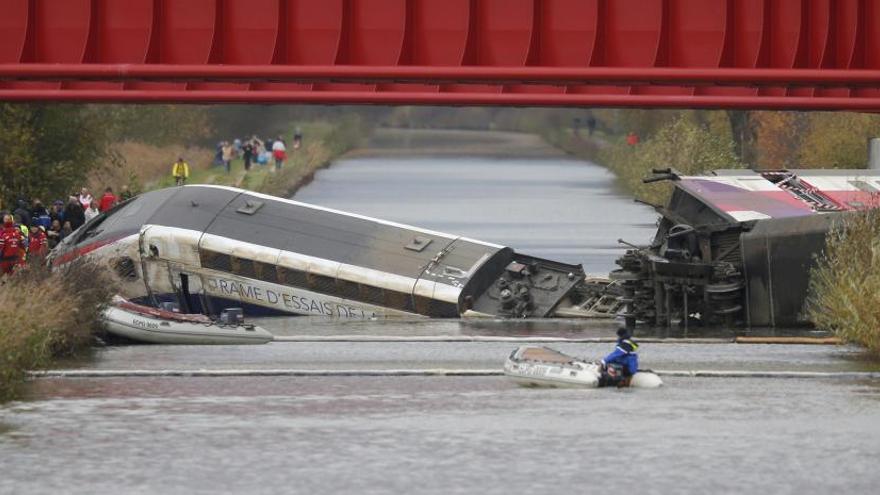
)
(774, 54)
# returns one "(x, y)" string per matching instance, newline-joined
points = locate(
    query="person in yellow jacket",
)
(180, 171)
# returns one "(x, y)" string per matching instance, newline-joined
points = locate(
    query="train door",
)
(169, 270)
(189, 290)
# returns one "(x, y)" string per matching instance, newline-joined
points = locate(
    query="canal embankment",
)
(322, 142)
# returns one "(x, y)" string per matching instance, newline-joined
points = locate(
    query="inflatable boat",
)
(157, 326)
(532, 366)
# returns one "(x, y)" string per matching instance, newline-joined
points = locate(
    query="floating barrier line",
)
(789, 340)
(556, 340)
(257, 372)
(482, 338)
(423, 372)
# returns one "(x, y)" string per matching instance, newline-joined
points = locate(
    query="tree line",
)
(49, 150)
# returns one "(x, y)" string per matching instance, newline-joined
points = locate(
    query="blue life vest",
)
(625, 355)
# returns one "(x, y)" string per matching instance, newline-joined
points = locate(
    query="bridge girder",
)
(779, 54)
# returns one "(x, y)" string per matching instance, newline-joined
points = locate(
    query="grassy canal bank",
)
(33, 338)
(688, 146)
(322, 142)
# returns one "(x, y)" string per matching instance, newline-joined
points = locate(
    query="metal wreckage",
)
(734, 248)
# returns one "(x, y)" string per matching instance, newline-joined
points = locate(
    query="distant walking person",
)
(591, 125)
(228, 155)
(180, 171)
(279, 152)
(247, 152)
(297, 138)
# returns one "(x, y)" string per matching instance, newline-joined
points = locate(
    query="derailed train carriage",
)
(204, 248)
(736, 247)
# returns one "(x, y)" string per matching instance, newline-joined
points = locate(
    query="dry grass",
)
(845, 284)
(46, 314)
(140, 166)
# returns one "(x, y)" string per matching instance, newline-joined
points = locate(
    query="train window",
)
(398, 300)
(292, 277)
(322, 284)
(215, 260)
(124, 267)
(348, 290)
(265, 272)
(435, 308)
(243, 267)
(370, 294)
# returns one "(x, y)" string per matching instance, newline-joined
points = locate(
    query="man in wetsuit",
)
(623, 362)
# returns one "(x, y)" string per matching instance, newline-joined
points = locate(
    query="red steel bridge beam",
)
(791, 54)
(442, 75)
(414, 98)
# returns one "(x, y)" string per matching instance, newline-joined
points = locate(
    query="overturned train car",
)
(205, 248)
(736, 247)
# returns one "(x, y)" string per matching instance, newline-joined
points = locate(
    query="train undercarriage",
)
(736, 248)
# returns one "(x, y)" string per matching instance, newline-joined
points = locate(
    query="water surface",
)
(378, 435)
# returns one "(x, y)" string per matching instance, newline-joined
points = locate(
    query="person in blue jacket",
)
(623, 362)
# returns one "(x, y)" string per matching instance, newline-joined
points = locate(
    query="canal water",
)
(378, 435)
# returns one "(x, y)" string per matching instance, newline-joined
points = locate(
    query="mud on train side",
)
(205, 248)
(735, 247)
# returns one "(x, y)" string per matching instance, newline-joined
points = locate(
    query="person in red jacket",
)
(39, 242)
(11, 244)
(108, 200)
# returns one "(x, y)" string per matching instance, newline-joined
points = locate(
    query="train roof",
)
(292, 226)
(743, 195)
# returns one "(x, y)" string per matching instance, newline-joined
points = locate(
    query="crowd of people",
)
(251, 150)
(31, 229)
(255, 150)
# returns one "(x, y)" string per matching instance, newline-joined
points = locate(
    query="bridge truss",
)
(773, 54)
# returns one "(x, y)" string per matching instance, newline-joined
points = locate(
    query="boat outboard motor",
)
(169, 306)
(232, 316)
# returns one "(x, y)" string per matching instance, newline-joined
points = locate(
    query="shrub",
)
(838, 140)
(46, 314)
(845, 284)
(683, 144)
